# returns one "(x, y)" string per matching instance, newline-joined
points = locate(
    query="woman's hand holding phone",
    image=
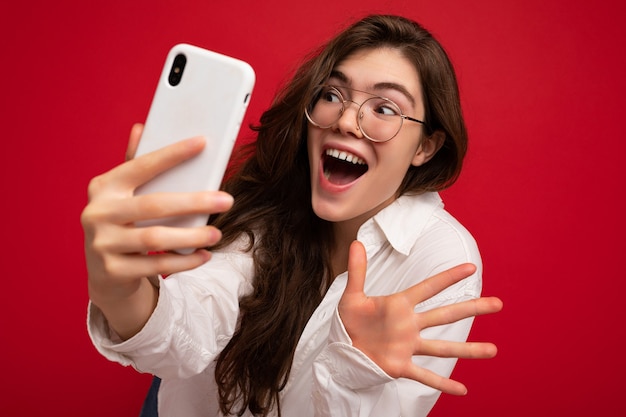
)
(136, 218)
(120, 256)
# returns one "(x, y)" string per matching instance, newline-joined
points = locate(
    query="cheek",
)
(393, 166)
(396, 160)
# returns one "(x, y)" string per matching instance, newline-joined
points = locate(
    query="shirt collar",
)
(400, 223)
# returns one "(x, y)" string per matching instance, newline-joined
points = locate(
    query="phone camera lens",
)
(176, 72)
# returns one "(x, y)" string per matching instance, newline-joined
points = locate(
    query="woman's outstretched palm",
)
(387, 329)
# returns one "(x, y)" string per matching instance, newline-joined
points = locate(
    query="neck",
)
(344, 234)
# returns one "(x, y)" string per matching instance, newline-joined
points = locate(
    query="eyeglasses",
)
(379, 118)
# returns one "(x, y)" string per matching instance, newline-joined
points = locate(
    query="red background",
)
(543, 91)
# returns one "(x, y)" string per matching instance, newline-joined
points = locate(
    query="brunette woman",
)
(315, 299)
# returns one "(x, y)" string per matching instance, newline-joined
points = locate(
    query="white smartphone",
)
(200, 93)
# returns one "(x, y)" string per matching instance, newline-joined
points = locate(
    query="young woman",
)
(315, 299)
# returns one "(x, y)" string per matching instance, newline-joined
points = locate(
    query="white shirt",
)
(408, 241)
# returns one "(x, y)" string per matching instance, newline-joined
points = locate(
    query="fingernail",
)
(224, 198)
(215, 235)
(195, 141)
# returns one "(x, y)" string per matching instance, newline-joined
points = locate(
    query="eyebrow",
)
(377, 86)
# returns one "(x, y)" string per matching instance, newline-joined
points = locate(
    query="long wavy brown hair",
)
(290, 245)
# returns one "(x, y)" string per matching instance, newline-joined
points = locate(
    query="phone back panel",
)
(210, 101)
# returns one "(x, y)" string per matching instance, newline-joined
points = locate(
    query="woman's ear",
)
(428, 148)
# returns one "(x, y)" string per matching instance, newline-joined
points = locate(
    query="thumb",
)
(357, 266)
(133, 140)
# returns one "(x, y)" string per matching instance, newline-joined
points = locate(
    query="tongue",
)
(340, 172)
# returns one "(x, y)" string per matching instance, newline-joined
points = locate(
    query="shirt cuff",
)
(347, 365)
(112, 347)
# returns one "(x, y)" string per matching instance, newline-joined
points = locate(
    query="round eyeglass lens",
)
(326, 107)
(380, 119)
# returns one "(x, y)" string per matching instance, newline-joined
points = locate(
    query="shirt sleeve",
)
(194, 319)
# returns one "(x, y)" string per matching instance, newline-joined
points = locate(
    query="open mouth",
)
(342, 167)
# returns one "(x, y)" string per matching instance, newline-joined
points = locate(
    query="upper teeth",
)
(345, 156)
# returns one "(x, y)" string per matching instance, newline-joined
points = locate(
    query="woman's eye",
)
(331, 96)
(386, 110)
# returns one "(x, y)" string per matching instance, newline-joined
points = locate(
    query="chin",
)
(329, 212)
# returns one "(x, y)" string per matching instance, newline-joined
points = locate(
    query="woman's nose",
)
(348, 123)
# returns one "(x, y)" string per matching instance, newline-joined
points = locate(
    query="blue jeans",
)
(149, 408)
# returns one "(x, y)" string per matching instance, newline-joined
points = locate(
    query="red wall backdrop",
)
(543, 90)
